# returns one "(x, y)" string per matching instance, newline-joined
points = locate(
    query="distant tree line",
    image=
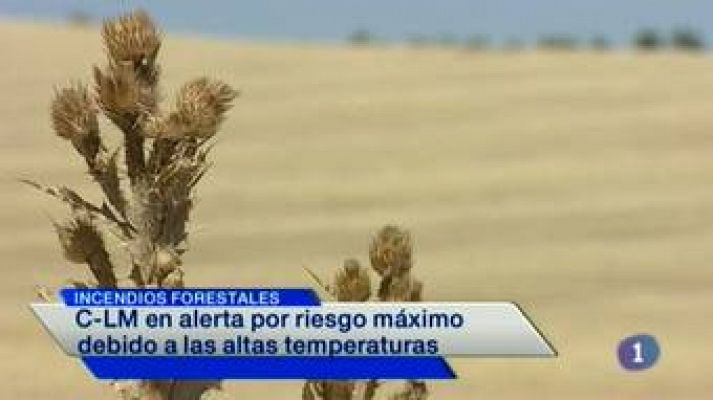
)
(79, 18)
(680, 38)
(646, 39)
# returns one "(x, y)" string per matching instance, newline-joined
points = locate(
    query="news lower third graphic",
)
(278, 334)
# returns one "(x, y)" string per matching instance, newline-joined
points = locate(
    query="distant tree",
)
(648, 39)
(687, 39)
(418, 40)
(446, 40)
(361, 37)
(513, 44)
(599, 43)
(79, 18)
(477, 42)
(557, 42)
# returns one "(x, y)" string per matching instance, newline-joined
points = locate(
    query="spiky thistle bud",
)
(352, 282)
(390, 251)
(338, 390)
(413, 390)
(82, 242)
(199, 110)
(122, 96)
(74, 117)
(133, 39)
(402, 287)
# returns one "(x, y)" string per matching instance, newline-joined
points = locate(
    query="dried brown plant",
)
(148, 193)
(390, 253)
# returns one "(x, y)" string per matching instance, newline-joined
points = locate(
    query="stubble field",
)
(577, 184)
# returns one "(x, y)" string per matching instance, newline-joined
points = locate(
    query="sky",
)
(393, 20)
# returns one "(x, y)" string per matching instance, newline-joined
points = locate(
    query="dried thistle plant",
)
(390, 253)
(148, 193)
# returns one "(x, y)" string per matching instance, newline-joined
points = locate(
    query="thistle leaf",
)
(105, 171)
(75, 201)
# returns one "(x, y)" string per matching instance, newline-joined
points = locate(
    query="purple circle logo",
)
(638, 352)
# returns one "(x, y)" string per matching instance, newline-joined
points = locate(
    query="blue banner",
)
(194, 297)
(195, 368)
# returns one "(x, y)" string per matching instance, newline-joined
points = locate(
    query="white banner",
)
(485, 329)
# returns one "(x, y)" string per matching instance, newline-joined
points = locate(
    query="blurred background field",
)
(579, 184)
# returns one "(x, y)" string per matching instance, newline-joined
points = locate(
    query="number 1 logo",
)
(638, 352)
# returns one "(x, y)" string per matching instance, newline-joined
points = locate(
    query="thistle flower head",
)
(413, 390)
(74, 117)
(79, 238)
(134, 39)
(390, 251)
(199, 110)
(121, 95)
(351, 266)
(352, 282)
(402, 287)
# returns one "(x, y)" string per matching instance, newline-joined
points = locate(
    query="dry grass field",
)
(577, 184)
